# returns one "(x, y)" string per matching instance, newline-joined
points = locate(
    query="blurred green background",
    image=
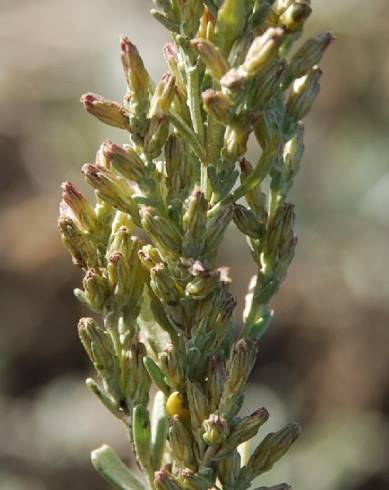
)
(325, 360)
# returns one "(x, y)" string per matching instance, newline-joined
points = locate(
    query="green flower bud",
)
(165, 481)
(215, 430)
(239, 367)
(78, 206)
(163, 96)
(161, 231)
(125, 161)
(172, 367)
(304, 93)
(266, 126)
(122, 220)
(269, 84)
(254, 196)
(194, 222)
(193, 481)
(156, 135)
(295, 15)
(230, 23)
(139, 83)
(137, 378)
(212, 57)
(107, 111)
(77, 244)
(216, 227)
(309, 55)
(96, 290)
(198, 405)
(163, 285)
(243, 430)
(111, 188)
(203, 284)
(228, 470)
(177, 166)
(262, 51)
(215, 382)
(271, 449)
(181, 443)
(219, 105)
(248, 222)
(149, 256)
(236, 136)
(293, 153)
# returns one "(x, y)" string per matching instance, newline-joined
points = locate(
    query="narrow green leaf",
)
(113, 470)
(156, 375)
(159, 429)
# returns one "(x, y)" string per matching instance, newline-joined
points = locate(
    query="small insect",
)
(175, 406)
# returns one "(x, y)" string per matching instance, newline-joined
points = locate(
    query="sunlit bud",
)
(272, 448)
(96, 289)
(248, 222)
(125, 161)
(198, 405)
(293, 153)
(121, 220)
(193, 481)
(228, 470)
(107, 111)
(160, 230)
(239, 367)
(163, 96)
(156, 135)
(243, 431)
(309, 55)
(172, 368)
(202, 285)
(191, 12)
(270, 83)
(136, 74)
(295, 15)
(304, 93)
(165, 481)
(181, 443)
(230, 23)
(234, 80)
(216, 227)
(194, 222)
(141, 433)
(163, 285)
(219, 105)
(79, 207)
(215, 382)
(77, 244)
(255, 197)
(237, 135)
(149, 256)
(215, 430)
(170, 54)
(263, 49)
(280, 235)
(98, 345)
(212, 57)
(110, 187)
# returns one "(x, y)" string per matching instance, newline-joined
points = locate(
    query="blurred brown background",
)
(325, 360)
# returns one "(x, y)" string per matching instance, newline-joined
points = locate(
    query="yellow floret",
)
(175, 406)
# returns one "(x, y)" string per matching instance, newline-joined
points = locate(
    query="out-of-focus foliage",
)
(324, 362)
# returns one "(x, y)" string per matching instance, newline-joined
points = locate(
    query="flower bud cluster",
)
(148, 248)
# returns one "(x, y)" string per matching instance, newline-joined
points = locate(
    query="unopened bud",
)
(80, 209)
(215, 430)
(149, 256)
(107, 111)
(193, 481)
(163, 285)
(263, 50)
(230, 23)
(165, 481)
(228, 470)
(125, 161)
(219, 105)
(160, 230)
(156, 135)
(163, 96)
(78, 245)
(181, 443)
(198, 405)
(96, 290)
(309, 55)
(215, 382)
(171, 365)
(212, 57)
(194, 222)
(248, 222)
(295, 15)
(216, 227)
(254, 196)
(304, 93)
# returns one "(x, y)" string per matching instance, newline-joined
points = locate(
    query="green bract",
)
(166, 310)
